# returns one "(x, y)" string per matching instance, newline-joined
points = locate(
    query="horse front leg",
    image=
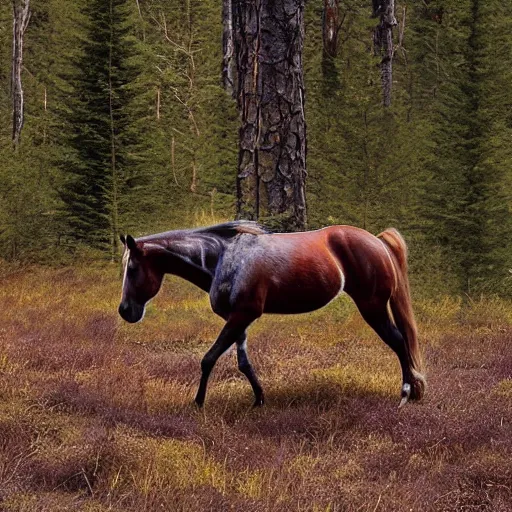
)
(244, 365)
(233, 330)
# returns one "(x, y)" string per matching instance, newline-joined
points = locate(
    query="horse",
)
(249, 271)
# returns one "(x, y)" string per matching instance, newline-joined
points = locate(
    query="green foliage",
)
(142, 83)
(100, 136)
(465, 201)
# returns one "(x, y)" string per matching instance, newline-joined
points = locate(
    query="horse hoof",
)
(406, 393)
(258, 402)
(198, 404)
(419, 385)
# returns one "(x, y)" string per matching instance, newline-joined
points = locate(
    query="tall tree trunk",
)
(330, 27)
(272, 153)
(114, 210)
(228, 46)
(383, 43)
(21, 17)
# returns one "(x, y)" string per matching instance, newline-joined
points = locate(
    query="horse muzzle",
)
(132, 313)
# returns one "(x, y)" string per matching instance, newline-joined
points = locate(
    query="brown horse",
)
(248, 271)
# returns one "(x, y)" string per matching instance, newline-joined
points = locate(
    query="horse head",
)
(142, 278)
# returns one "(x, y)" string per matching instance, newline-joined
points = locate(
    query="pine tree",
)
(191, 142)
(95, 179)
(488, 262)
(140, 82)
(465, 199)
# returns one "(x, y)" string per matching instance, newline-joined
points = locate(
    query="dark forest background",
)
(128, 129)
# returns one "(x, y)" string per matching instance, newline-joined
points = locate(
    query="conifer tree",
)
(465, 200)
(191, 142)
(29, 228)
(149, 142)
(489, 237)
(95, 180)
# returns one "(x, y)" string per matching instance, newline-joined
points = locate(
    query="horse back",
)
(298, 272)
(277, 273)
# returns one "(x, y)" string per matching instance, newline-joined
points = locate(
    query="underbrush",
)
(97, 415)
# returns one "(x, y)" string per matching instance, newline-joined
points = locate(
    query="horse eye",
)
(132, 270)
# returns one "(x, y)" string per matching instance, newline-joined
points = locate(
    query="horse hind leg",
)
(378, 318)
(244, 365)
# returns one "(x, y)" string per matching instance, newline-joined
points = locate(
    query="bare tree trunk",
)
(330, 27)
(141, 21)
(272, 154)
(21, 17)
(383, 43)
(247, 17)
(158, 103)
(228, 47)
(114, 214)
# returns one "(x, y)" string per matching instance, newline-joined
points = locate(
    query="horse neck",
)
(193, 259)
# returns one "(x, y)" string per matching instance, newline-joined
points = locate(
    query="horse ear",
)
(123, 239)
(131, 243)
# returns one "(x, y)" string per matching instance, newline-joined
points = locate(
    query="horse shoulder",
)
(237, 283)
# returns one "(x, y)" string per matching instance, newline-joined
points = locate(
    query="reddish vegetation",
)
(96, 415)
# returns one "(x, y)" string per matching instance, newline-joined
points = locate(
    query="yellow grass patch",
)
(350, 379)
(504, 388)
(157, 464)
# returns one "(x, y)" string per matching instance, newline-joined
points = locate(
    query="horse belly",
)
(304, 291)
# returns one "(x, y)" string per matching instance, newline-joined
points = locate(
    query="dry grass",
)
(97, 415)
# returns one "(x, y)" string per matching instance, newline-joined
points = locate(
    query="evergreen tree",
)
(127, 127)
(192, 140)
(28, 200)
(488, 261)
(464, 200)
(95, 179)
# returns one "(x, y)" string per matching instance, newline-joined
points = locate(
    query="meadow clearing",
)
(97, 415)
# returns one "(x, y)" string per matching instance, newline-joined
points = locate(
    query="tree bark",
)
(330, 27)
(21, 17)
(228, 46)
(383, 44)
(272, 152)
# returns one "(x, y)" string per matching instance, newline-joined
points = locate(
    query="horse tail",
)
(400, 301)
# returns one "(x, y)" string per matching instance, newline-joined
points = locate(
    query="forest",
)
(141, 116)
(128, 127)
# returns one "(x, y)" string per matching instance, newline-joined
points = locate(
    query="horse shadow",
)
(306, 408)
(303, 403)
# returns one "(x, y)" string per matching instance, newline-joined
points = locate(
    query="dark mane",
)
(224, 231)
(234, 228)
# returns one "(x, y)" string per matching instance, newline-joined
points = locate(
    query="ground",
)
(97, 415)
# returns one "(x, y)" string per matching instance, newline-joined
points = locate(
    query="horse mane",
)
(224, 231)
(234, 228)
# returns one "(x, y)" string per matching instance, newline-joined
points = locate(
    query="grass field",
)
(97, 415)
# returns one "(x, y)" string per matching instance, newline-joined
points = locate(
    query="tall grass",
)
(97, 415)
